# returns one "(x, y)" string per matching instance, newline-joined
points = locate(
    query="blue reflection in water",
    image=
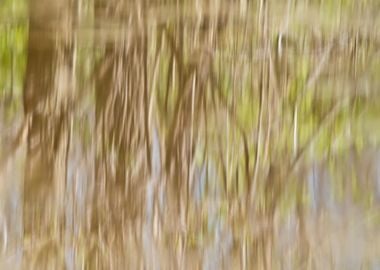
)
(200, 183)
(321, 191)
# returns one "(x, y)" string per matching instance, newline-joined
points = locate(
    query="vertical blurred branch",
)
(48, 92)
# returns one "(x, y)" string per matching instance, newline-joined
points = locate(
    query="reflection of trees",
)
(47, 96)
(236, 120)
(122, 162)
(198, 134)
(127, 78)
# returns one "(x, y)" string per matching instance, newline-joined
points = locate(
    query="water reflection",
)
(199, 135)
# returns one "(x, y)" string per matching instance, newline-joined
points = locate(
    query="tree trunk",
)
(48, 90)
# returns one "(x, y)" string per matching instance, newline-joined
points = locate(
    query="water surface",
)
(189, 134)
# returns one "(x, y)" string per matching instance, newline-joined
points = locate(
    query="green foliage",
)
(13, 11)
(13, 57)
